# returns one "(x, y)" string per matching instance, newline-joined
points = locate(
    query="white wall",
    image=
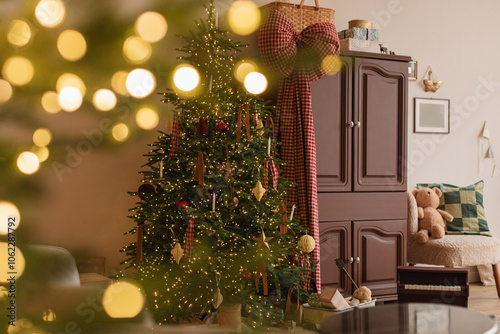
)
(460, 39)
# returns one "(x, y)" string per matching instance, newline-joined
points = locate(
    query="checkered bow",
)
(297, 60)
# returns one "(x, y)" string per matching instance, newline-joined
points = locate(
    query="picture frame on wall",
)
(412, 70)
(431, 115)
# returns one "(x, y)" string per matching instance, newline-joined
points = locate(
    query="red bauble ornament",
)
(145, 189)
(221, 126)
(246, 275)
(181, 205)
(202, 127)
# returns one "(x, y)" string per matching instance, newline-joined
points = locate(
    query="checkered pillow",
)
(465, 204)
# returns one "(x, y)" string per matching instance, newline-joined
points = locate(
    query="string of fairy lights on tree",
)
(212, 227)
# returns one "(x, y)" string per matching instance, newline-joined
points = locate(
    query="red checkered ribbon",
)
(189, 239)
(305, 263)
(176, 134)
(297, 60)
(270, 165)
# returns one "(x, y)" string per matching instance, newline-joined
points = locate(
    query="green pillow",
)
(465, 204)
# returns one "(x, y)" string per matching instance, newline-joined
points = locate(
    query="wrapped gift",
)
(360, 45)
(314, 300)
(332, 298)
(360, 33)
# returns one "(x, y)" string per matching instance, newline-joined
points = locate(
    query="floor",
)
(484, 299)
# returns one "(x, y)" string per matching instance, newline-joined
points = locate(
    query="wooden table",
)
(411, 318)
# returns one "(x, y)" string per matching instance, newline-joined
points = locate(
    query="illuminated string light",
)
(119, 83)
(70, 79)
(18, 70)
(147, 118)
(41, 152)
(9, 210)
(71, 45)
(137, 50)
(244, 17)
(42, 137)
(104, 100)
(123, 299)
(50, 102)
(120, 132)
(255, 83)
(243, 68)
(151, 26)
(20, 262)
(50, 13)
(18, 33)
(28, 162)
(70, 98)
(5, 91)
(331, 64)
(186, 78)
(140, 83)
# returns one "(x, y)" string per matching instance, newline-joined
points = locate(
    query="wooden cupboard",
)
(360, 119)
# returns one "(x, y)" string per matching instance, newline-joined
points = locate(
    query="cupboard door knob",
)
(358, 124)
(357, 259)
(351, 260)
(351, 124)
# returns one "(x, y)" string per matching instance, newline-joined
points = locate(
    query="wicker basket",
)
(300, 15)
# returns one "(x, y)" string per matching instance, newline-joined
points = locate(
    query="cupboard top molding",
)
(375, 55)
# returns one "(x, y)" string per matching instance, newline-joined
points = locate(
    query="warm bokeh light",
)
(50, 13)
(243, 68)
(104, 100)
(147, 118)
(50, 102)
(243, 17)
(49, 315)
(18, 33)
(331, 64)
(186, 78)
(70, 79)
(123, 299)
(5, 269)
(28, 162)
(70, 98)
(120, 132)
(5, 91)
(151, 26)
(71, 45)
(7, 210)
(119, 83)
(42, 137)
(255, 83)
(41, 152)
(140, 83)
(137, 50)
(18, 70)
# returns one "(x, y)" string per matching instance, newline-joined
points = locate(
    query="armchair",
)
(452, 250)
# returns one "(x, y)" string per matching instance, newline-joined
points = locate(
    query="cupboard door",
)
(380, 113)
(331, 104)
(335, 243)
(381, 248)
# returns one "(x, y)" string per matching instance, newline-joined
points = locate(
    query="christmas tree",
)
(212, 224)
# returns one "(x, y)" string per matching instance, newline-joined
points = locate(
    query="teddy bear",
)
(363, 294)
(431, 220)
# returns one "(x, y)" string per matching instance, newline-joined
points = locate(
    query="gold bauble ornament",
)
(306, 243)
